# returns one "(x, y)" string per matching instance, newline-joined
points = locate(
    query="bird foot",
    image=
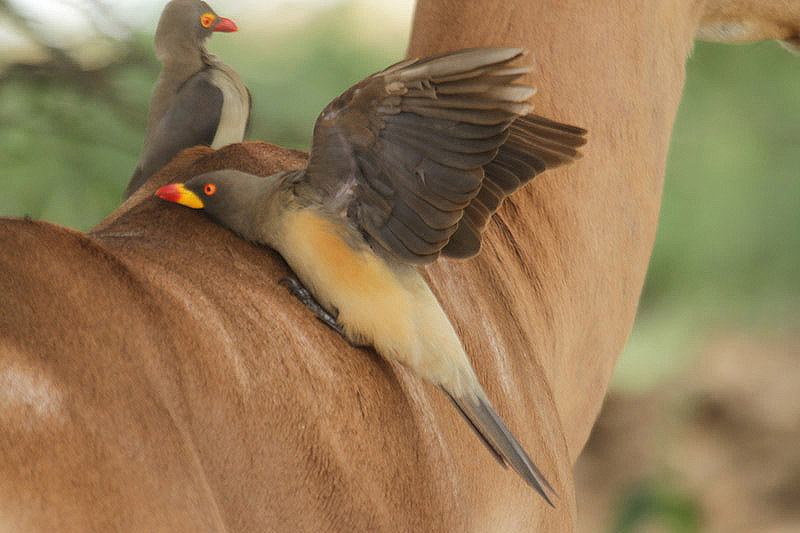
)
(304, 295)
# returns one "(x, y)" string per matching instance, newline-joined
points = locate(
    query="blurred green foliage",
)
(294, 73)
(64, 152)
(728, 247)
(727, 253)
(653, 506)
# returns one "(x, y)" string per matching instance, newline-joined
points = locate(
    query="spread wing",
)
(404, 151)
(191, 120)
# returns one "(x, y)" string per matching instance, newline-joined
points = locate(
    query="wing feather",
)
(534, 145)
(191, 120)
(434, 146)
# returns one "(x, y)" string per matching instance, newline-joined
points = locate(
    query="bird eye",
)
(207, 19)
(210, 189)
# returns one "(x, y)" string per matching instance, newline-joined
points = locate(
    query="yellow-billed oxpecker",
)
(197, 98)
(407, 165)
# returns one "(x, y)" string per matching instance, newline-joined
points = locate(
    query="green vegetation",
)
(654, 507)
(727, 252)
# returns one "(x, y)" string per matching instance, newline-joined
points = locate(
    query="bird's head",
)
(186, 24)
(231, 197)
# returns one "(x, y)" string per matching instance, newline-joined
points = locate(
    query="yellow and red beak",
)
(225, 25)
(176, 192)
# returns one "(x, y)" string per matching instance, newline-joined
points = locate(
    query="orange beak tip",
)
(170, 193)
(177, 193)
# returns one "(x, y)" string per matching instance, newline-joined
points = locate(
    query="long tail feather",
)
(498, 439)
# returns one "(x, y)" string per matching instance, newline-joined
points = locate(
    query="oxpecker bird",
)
(406, 166)
(197, 99)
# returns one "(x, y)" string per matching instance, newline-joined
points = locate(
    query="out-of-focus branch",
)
(60, 58)
(96, 11)
(61, 66)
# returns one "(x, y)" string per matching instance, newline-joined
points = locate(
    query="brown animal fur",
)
(154, 376)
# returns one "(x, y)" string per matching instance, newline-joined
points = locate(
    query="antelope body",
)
(153, 377)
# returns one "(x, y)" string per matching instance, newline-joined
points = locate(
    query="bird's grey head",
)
(235, 199)
(183, 28)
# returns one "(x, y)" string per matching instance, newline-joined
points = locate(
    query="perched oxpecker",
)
(197, 99)
(407, 165)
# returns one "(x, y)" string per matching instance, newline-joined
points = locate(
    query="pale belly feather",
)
(391, 309)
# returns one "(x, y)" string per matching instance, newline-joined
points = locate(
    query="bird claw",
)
(304, 295)
(323, 315)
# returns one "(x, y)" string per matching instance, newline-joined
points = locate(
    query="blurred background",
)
(701, 429)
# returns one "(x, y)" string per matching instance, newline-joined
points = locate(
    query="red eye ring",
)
(210, 189)
(207, 19)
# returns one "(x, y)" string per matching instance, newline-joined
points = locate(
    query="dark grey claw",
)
(304, 295)
(323, 315)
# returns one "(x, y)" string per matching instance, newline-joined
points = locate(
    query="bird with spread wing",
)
(408, 165)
